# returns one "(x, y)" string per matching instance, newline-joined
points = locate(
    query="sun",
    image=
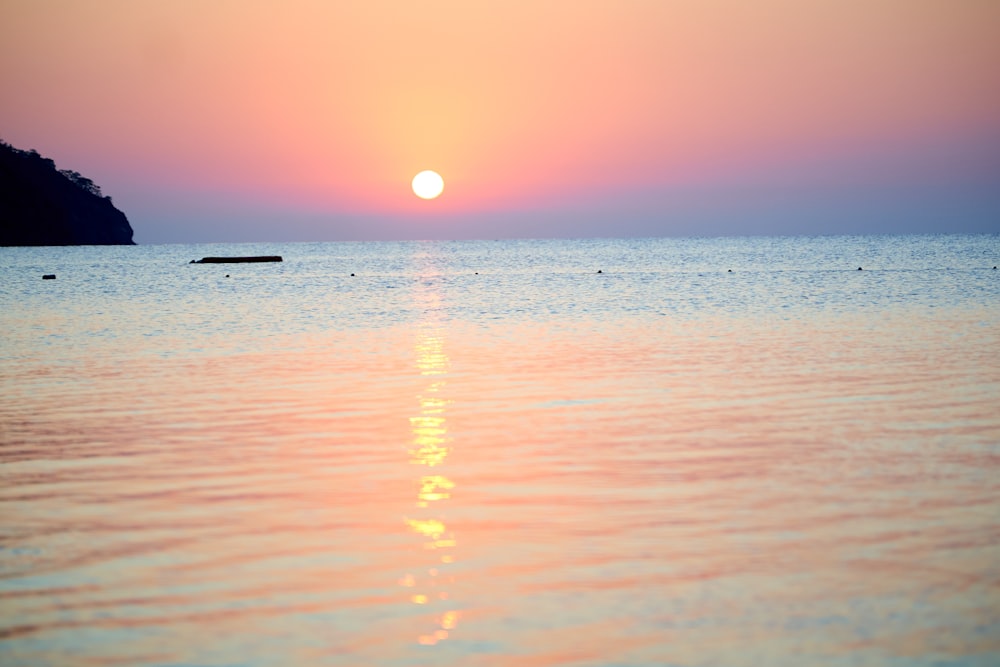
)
(428, 184)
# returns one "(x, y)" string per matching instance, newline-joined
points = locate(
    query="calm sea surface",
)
(711, 452)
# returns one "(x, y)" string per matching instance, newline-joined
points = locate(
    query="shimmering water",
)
(488, 453)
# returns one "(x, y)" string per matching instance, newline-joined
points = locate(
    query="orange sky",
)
(327, 109)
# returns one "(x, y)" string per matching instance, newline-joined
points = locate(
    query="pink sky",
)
(306, 120)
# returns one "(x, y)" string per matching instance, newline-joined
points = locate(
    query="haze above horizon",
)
(307, 120)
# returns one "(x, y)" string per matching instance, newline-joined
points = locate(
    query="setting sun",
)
(428, 184)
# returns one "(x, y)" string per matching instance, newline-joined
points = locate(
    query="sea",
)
(577, 453)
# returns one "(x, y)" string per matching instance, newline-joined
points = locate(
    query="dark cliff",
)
(41, 205)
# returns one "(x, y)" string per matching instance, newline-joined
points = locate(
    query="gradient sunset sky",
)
(270, 120)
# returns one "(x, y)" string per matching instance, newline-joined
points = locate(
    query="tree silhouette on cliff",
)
(43, 205)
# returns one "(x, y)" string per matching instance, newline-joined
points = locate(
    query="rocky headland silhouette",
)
(43, 205)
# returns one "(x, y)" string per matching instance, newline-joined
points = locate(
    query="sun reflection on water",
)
(429, 450)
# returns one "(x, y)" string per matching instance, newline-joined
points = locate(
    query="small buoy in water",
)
(352, 275)
(730, 270)
(52, 276)
(994, 268)
(227, 275)
(859, 268)
(599, 271)
(477, 272)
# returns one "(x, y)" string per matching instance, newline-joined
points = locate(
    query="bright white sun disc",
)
(428, 184)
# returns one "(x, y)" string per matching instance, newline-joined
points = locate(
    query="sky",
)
(305, 120)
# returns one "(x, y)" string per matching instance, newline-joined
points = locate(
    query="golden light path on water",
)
(428, 452)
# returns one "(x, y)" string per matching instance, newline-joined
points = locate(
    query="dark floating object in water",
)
(859, 268)
(352, 275)
(730, 270)
(599, 271)
(227, 275)
(237, 260)
(52, 276)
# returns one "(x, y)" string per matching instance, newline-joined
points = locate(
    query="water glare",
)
(430, 449)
